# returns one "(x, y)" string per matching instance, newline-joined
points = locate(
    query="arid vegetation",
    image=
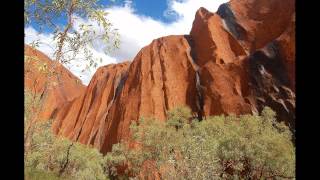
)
(219, 147)
(50, 156)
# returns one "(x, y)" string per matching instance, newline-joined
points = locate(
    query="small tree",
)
(33, 100)
(31, 110)
(71, 39)
(47, 154)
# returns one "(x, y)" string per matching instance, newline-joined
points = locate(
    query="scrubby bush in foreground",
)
(51, 157)
(50, 154)
(220, 147)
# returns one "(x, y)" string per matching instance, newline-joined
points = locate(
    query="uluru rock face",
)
(246, 57)
(212, 42)
(81, 119)
(235, 61)
(220, 58)
(162, 76)
(256, 22)
(37, 79)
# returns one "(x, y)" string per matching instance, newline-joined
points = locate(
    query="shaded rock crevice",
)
(191, 55)
(230, 23)
(159, 48)
(269, 84)
(99, 136)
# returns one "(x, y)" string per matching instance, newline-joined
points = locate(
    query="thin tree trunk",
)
(58, 59)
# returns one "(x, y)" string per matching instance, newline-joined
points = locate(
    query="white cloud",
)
(76, 66)
(136, 31)
(47, 45)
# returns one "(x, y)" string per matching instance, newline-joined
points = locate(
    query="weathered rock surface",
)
(162, 76)
(287, 51)
(246, 57)
(37, 79)
(256, 22)
(81, 119)
(212, 42)
(220, 58)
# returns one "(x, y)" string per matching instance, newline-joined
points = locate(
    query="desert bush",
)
(35, 174)
(47, 154)
(220, 147)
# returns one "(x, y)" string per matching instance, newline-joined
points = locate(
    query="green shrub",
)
(35, 174)
(178, 117)
(220, 147)
(47, 154)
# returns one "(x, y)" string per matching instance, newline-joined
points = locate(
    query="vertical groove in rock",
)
(199, 96)
(163, 73)
(118, 86)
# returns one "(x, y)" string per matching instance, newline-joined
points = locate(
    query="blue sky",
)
(138, 23)
(152, 8)
(155, 9)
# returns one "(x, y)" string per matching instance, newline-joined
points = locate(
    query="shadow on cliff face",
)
(230, 23)
(270, 83)
(198, 99)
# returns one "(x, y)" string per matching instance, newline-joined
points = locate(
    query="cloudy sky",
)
(138, 23)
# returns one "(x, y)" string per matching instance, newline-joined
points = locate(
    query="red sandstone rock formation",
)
(235, 61)
(220, 58)
(81, 119)
(246, 57)
(256, 22)
(162, 76)
(53, 96)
